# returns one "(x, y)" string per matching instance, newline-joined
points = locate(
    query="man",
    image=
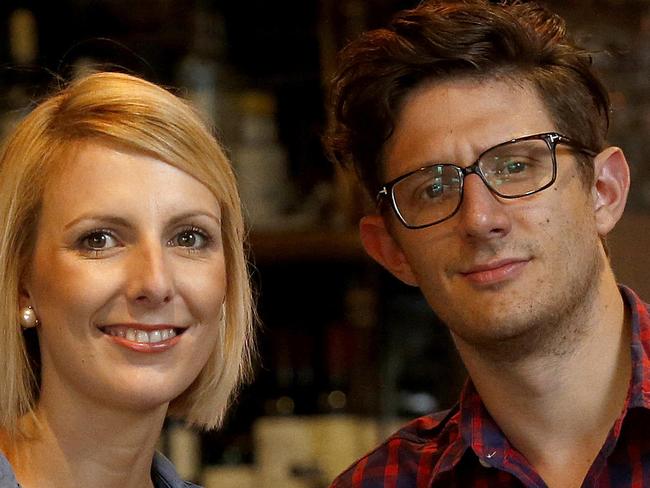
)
(480, 129)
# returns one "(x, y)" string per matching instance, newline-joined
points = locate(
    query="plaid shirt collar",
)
(480, 433)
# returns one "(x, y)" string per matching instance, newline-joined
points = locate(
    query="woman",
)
(125, 291)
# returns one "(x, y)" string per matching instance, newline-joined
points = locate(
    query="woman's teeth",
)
(143, 336)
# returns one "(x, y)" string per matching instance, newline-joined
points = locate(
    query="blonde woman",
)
(125, 292)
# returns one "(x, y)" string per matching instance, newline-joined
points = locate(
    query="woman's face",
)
(127, 279)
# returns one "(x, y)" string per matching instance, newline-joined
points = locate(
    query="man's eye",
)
(429, 190)
(99, 241)
(514, 167)
(434, 190)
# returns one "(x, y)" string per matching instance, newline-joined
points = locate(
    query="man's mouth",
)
(497, 271)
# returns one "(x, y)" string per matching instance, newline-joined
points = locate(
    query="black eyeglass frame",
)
(552, 139)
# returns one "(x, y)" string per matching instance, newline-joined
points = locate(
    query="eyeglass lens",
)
(509, 170)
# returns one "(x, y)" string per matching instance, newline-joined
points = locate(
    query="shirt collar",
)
(640, 348)
(480, 432)
(164, 475)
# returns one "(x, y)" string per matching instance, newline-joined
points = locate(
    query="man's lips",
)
(495, 272)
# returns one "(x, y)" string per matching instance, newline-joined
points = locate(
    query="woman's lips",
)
(143, 338)
(493, 273)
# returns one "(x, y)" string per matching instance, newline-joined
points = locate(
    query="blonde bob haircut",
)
(123, 110)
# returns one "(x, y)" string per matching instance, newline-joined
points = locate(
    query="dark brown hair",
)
(440, 40)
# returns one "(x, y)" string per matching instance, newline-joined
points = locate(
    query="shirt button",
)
(485, 463)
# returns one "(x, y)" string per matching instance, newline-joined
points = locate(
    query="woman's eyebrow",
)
(195, 213)
(122, 222)
(109, 219)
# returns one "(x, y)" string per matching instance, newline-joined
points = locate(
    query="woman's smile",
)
(144, 337)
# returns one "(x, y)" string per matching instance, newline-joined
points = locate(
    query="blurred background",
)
(346, 352)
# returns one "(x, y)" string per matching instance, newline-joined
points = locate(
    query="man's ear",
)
(381, 246)
(610, 189)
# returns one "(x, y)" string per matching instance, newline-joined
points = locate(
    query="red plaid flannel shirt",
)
(465, 448)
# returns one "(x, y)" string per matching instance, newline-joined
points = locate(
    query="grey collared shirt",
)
(7, 478)
(163, 474)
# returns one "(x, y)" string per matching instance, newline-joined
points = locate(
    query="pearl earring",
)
(28, 318)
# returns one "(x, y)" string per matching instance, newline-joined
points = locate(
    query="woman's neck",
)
(69, 443)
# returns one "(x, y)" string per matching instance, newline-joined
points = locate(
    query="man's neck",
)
(557, 409)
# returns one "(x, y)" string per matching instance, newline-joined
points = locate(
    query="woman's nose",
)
(482, 214)
(151, 280)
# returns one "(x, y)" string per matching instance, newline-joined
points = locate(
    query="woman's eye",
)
(191, 239)
(99, 241)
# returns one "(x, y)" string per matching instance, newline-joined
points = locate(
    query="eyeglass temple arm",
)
(382, 193)
(557, 138)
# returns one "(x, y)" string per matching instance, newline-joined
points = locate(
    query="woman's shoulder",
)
(164, 474)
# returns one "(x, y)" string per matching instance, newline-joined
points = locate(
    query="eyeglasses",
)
(512, 169)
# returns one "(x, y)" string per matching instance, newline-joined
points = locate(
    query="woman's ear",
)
(24, 294)
(610, 189)
(24, 298)
(384, 249)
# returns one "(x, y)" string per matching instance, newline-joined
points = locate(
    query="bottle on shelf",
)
(261, 163)
(17, 76)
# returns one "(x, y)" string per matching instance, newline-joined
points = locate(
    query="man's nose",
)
(482, 214)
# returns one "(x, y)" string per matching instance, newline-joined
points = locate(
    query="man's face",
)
(499, 269)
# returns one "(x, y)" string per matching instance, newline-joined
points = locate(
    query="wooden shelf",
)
(313, 245)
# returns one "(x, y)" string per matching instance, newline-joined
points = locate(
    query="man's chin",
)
(518, 335)
(499, 342)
